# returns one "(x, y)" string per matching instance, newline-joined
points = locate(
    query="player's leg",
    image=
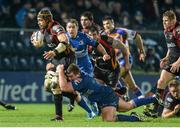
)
(108, 113)
(131, 84)
(165, 77)
(50, 83)
(7, 106)
(83, 104)
(136, 102)
(72, 98)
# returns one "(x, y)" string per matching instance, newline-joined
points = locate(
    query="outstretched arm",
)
(140, 46)
(101, 49)
(119, 45)
(64, 85)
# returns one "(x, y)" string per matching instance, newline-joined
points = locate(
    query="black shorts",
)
(167, 67)
(109, 76)
(66, 61)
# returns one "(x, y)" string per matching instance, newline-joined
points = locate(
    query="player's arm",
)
(167, 113)
(61, 47)
(64, 85)
(164, 60)
(119, 45)
(140, 46)
(175, 66)
(101, 49)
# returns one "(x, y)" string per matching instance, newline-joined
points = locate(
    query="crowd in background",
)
(139, 14)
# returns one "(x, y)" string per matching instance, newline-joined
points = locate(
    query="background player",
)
(123, 35)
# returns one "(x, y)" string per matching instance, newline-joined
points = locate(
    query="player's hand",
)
(142, 57)
(175, 67)
(163, 62)
(61, 67)
(177, 108)
(49, 55)
(106, 57)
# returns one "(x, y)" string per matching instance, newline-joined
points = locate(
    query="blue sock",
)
(121, 117)
(84, 105)
(138, 92)
(94, 107)
(143, 101)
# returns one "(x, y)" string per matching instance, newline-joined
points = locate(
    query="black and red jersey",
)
(51, 33)
(170, 102)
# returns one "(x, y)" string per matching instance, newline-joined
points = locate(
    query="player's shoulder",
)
(176, 30)
(169, 98)
(57, 28)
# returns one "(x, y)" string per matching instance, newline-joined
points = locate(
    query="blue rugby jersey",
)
(80, 44)
(94, 91)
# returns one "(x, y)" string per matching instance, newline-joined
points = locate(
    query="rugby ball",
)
(37, 39)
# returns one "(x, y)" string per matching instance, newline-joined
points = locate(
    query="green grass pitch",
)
(39, 115)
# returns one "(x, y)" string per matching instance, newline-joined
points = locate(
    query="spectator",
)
(20, 15)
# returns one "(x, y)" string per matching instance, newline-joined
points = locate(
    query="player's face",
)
(85, 22)
(72, 29)
(94, 35)
(108, 25)
(167, 23)
(71, 76)
(175, 92)
(42, 23)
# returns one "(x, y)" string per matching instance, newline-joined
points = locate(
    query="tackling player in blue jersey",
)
(95, 92)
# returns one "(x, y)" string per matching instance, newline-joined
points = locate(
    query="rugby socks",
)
(121, 117)
(94, 107)
(2, 103)
(71, 97)
(143, 101)
(160, 92)
(58, 104)
(84, 105)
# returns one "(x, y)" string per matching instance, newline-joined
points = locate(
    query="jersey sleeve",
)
(168, 102)
(90, 41)
(177, 33)
(57, 29)
(123, 33)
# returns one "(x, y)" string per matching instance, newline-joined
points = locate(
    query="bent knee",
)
(106, 119)
(161, 81)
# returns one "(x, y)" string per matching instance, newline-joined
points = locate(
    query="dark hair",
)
(108, 18)
(88, 14)
(74, 21)
(73, 68)
(45, 14)
(170, 14)
(94, 29)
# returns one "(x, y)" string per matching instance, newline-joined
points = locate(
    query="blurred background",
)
(18, 21)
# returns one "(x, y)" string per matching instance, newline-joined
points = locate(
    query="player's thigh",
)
(124, 106)
(109, 113)
(165, 77)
